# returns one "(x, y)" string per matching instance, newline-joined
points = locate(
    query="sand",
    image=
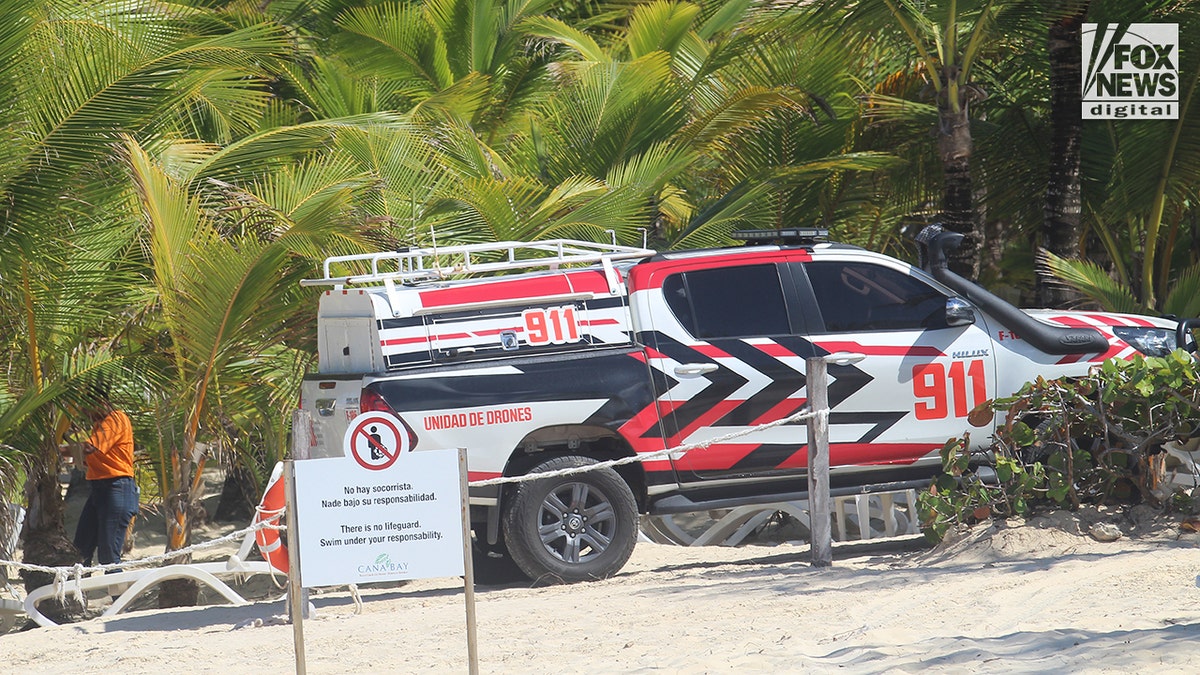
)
(1029, 597)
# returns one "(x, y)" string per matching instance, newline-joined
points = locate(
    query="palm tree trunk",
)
(1063, 207)
(239, 495)
(44, 537)
(954, 148)
(179, 507)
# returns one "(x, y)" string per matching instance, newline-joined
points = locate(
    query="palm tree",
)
(949, 43)
(228, 307)
(62, 311)
(1061, 223)
(73, 77)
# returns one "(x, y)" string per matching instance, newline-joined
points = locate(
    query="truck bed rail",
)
(441, 262)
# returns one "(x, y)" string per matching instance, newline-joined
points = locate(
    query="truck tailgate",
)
(331, 402)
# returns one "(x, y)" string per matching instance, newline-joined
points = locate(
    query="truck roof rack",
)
(442, 262)
(786, 235)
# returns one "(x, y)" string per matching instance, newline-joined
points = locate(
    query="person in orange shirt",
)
(113, 498)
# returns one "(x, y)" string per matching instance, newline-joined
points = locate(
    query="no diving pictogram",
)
(376, 440)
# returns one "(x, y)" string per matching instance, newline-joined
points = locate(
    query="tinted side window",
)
(861, 297)
(729, 302)
(677, 299)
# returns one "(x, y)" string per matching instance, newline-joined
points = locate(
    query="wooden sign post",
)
(819, 504)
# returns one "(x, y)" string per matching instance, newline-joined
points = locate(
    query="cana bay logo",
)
(383, 564)
(1130, 72)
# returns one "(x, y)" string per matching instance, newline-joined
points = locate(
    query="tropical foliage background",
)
(170, 170)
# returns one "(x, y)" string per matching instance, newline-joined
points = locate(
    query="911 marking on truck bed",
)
(551, 326)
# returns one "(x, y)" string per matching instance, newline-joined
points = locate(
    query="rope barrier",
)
(75, 572)
(62, 574)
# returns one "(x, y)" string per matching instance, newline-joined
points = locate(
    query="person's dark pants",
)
(105, 519)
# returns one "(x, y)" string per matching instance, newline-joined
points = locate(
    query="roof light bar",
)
(786, 235)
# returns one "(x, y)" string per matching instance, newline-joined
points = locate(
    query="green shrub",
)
(1070, 441)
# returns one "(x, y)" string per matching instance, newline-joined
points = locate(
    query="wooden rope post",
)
(468, 565)
(297, 596)
(819, 504)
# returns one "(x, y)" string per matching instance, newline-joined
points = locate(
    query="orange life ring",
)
(270, 510)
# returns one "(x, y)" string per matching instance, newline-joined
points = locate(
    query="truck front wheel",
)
(575, 527)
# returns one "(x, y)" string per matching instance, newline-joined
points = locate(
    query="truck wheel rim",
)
(576, 522)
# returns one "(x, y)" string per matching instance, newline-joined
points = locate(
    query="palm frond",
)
(465, 99)
(1091, 280)
(245, 158)
(746, 206)
(463, 154)
(101, 88)
(723, 18)
(1183, 299)
(584, 208)
(555, 30)
(735, 112)
(174, 224)
(402, 44)
(654, 168)
(221, 105)
(612, 112)
(659, 26)
(16, 25)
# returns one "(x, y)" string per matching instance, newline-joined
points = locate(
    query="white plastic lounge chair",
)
(127, 586)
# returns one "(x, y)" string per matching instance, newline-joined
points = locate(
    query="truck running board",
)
(679, 503)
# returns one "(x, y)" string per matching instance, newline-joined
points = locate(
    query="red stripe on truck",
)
(585, 281)
(651, 274)
(865, 454)
(775, 349)
(880, 350)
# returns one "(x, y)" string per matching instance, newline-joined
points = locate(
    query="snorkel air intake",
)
(1059, 340)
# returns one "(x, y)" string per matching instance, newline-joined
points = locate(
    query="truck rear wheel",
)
(571, 528)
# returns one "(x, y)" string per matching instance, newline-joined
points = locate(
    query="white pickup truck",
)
(536, 356)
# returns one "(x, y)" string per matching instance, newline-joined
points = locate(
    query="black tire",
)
(577, 527)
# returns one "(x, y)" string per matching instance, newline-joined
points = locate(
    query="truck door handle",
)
(844, 358)
(694, 369)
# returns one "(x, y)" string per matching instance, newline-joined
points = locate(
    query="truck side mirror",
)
(959, 312)
(1182, 336)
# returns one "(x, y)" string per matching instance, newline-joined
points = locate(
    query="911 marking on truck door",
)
(936, 388)
(551, 326)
